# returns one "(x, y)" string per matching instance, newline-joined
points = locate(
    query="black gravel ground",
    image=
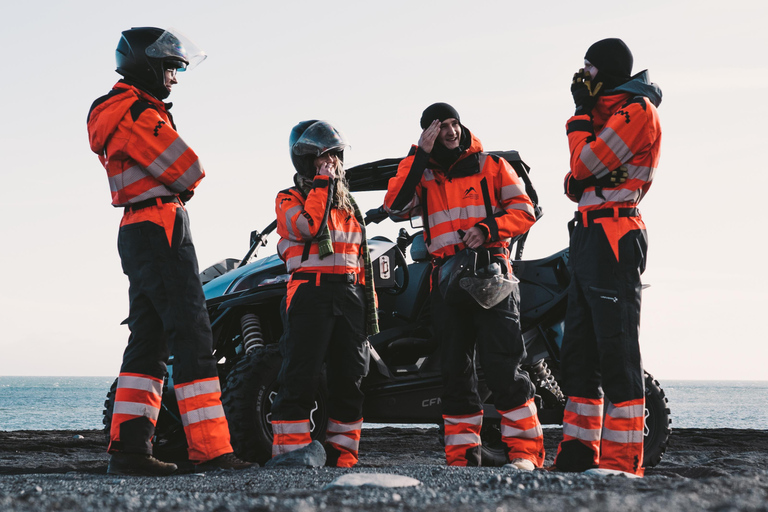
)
(717, 470)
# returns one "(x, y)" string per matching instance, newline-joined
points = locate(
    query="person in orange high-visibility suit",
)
(330, 305)
(471, 199)
(614, 140)
(152, 173)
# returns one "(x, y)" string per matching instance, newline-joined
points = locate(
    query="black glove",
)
(613, 178)
(186, 196)
(575, 188)
(584, 95)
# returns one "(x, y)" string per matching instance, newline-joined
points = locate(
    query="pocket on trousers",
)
(606, 311)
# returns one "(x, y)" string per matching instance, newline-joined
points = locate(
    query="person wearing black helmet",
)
(152, 173)
(330, 307)
(471, 201)
(614, 139)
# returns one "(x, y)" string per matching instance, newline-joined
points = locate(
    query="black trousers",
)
(322, 324)
(601, 351)
(500, 349)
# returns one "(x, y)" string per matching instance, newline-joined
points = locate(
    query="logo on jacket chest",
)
(471, 193)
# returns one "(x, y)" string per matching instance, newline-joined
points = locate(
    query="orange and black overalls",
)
(481, 190)
(148, 165)
(324, 322)
(600, 352)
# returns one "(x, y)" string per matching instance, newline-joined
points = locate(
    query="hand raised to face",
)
(429, 136)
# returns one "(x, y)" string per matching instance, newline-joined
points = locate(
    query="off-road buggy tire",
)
(657, 421)
(247, 397)
(169, 443)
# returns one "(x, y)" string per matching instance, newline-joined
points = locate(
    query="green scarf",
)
(325, 248)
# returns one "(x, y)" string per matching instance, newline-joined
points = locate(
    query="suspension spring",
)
(253, 338)
(546, 380)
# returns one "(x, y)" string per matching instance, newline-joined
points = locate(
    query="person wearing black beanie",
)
(471, 203)
(613, 62)
(614, 140)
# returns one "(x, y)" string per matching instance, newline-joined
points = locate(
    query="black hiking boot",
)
(226, 461)
(138, 464)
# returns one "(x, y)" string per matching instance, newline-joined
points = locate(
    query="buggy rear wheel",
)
(250, 389)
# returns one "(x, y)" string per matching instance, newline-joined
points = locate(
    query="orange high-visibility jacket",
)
(625, 130)
(299, 221)
(134, 135)
(479, 189)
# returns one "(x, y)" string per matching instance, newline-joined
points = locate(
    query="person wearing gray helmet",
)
(330, 306)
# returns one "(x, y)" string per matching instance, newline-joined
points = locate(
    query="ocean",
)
(76, 403)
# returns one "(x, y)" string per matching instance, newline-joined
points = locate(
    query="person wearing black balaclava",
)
(614, 139)
(471, 200)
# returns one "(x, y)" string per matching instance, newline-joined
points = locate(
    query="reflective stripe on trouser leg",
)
(521, 432)
(289, 436)
(462, 439)
(137, 406)
(582, 422)
(622, 446)
(344, 438)
(203, 418)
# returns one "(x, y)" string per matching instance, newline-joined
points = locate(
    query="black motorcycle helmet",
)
(144, 53)
(309, 140)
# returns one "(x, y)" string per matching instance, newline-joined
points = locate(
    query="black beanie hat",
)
(611, 57)
(441, 111)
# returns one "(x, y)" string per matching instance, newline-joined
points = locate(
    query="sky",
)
(371, 68)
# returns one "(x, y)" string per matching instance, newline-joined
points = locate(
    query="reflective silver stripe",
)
(413, 208)
(346, 237)
(167, 158)
(616, 144)
(205, 413)
(640, 172)
(197, 388)
(342, 440)
(527, 208)
(520, 413)
(351, 262)
(461, 439)
(445, 240)
(302, 223)
(190, 176)
(141, 383)
(158, 191)
(623, 436)
(531, 433)
(471, 420)
(584, 409)
(299, 427)
(136, 409)
(632, 411)
(279, 449)
(616, 195)
(428, 175)
(458, 213)
(289, 214)
(511, 191)
(344, 427)
(585, 434)
(128, 177)
(594, 164)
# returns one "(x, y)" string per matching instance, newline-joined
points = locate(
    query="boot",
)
(226, 461)
(138, 464)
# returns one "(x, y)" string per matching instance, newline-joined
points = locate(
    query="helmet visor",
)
(175, 46)
(489, 291)
(319, 138)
